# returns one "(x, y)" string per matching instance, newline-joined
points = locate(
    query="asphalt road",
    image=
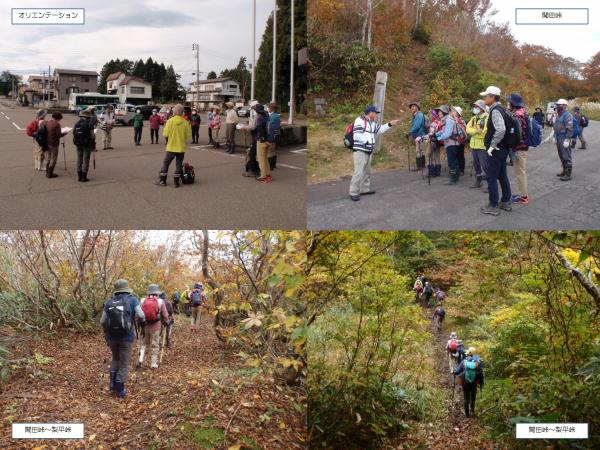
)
(122, 194)
(405, 201)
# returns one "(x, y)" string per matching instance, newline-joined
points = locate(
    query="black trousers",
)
(210, 139)
(470, 393)
(195, 134)
(169, 157)
(153, 134)
(460, 154)
(137, 134)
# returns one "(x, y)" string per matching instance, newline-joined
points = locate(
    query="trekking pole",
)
(64, 154)
(429, 165)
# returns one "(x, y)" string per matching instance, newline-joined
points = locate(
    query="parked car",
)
(243, 111)
(164, 114)
(550, 113)
(147, 110)
(124, 114)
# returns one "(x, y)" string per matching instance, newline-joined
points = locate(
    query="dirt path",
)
(200, 397)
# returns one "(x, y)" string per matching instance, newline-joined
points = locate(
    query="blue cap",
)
(370, 109)
(515, 100)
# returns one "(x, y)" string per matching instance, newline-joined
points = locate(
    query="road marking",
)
(289, 167)
(8, 118)
(17, 126)
(301, 150)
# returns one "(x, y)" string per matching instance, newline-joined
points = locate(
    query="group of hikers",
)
(124, 318)
(465, 364)
(180, 125)
(497, 135)
(427, 294)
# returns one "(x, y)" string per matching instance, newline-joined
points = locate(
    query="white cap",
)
(458, 109)
(254, 103)
(562, 101)
(491, 90)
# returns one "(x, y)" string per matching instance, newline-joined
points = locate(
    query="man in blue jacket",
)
(118, 323)
(417, 131)
(563, 133)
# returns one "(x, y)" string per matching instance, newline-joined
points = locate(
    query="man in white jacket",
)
(365, 132)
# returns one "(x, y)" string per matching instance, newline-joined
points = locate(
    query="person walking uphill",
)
(156, 313)
(195, 124)
(563, 133)
(448, 135)
(138, 125)
(364, 132)
(515, 104)
(476, 129)
(83, 139)
(177, 130)
(497, 149)
(470, 375)
(418, 129)
(154, 126)
(53, 132)
(197, 299)
(118, 315)
(231, 121)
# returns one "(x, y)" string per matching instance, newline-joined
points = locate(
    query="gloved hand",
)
(573, 142)
(490, 151)
(566, 143)
(418, 139)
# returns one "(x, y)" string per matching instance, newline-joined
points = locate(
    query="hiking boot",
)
(355, 198)
(84, 178)
(78, 175)
(562, 174)
(567, 174)
(491, 210)
(120, 388)
(176, 179)
(50, 173)
(112, 381)
(162, 180)
(505, 206)
(583, 147)
(477, 183)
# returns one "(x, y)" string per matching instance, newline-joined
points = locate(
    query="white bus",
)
(80, 102)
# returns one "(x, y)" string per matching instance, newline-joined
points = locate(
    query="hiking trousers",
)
(470, 393)
(83, 158)
(38, 157)
(151, 339)
(52, 155)
(460, 155)
(154, 135)
(581, 138)
(496, 173)
(137, 134)
(107, 138)
(520, 164)
(121, 353)
(361, 179)
(261, 155)
(479, 161)
(169, 157)
(195, 133)
(564, 153)
(196, 313)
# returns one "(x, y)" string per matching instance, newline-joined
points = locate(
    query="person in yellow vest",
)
(476, 129)
(185, 300)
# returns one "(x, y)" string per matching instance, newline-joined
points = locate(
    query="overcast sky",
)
(578, 41)
(134, 29)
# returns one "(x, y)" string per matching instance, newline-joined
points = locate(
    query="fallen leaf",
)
(235, 447)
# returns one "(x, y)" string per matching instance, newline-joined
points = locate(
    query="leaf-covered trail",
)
(201, 396)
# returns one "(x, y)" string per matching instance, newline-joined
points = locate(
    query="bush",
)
(421, 35)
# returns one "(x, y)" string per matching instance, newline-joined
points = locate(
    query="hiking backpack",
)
(151, 309)
(426, 123)
(32, 127)
(453, 345)
(82, 134)
(470, 371)
(584, 121)
(533, 136)
(196, 297)
(118, 311)
(460, 132)
(349, 135)
(441, 312)
(41, 137)
(512, 136)
(188, 174)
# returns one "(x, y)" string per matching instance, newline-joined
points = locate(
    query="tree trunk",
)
(216, 287)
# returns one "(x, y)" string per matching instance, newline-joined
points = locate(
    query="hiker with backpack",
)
(470, 375)
(434, 168)
(176, 297)
(185, 299)
(177, 131)
(419, 128)
(515, 106)
(53, 135)
(539, 117)
(498, 139)
(438, 316)
(439, 295)
(170, 311)
(156, 315)
(85, 142)
(274, 129)
(251, 167)
(32, 131)
(197, 299)
(564, 130)
(262, 144)
(476, 129)
(107, 123)
(452, 350)
(582, 122)
(449, 135)
(418, 288)
(363, 135)
(118, 315)
(462, 137)
(427, 292)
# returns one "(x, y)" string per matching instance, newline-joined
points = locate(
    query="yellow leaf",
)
(282, 425)
(215, 382)
(92, 437)
(235, 447)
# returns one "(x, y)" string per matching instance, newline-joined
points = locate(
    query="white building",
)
(130, 89)
(215, 92)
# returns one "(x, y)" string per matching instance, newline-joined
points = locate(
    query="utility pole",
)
(274, 50)
(292, 63)
(197, 48)
(43, 79)
(253, 49)
(48, 87)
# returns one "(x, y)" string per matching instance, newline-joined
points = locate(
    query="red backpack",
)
(32, 127)
(453, 345)
(151, 309)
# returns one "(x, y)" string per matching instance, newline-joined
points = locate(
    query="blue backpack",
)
(533, 137)
(196, 297)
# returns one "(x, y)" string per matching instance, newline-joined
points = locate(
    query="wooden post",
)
(379, 100)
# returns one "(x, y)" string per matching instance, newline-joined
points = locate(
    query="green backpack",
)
(470, 371)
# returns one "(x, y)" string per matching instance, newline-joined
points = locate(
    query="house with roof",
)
(215, 92)
(38, 87)
(130, 89)
(67, 81)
